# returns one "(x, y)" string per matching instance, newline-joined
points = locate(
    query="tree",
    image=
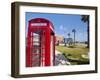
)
(74, 31)
(68, 39)
(69, 35)
(65, 41)
(85, 18)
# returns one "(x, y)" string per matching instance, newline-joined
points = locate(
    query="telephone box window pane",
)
(36, 49)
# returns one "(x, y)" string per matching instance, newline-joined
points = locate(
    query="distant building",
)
(68, 41)
(59, 39)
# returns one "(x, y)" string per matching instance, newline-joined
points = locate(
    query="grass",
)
(74, 53)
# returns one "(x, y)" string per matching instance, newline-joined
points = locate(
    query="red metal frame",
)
(45, 32)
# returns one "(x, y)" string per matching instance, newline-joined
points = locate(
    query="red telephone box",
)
(40, 48)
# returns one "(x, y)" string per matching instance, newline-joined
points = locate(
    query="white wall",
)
(5, 40)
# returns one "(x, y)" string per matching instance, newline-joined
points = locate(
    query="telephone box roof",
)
(41, 20)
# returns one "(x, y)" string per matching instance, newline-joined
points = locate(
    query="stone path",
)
(60, 59)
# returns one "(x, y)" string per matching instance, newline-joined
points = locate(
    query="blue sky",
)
(63, 24)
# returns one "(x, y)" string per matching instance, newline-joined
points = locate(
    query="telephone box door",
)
(36, 48)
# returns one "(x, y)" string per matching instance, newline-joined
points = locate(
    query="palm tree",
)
(85, 18)
(69, 35)
(68, 39)
(74, 31)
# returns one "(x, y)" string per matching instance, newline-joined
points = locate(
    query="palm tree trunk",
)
(88, 34)
(74, 38)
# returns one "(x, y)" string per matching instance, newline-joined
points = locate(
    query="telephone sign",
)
(38, 24)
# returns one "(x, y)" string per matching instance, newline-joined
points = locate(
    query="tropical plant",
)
(74, 31)
(68, 39)
(69, 35)
(85, 18)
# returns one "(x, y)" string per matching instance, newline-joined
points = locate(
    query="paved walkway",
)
(60, 59)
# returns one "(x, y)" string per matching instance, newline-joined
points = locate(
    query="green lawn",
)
(75, 53)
